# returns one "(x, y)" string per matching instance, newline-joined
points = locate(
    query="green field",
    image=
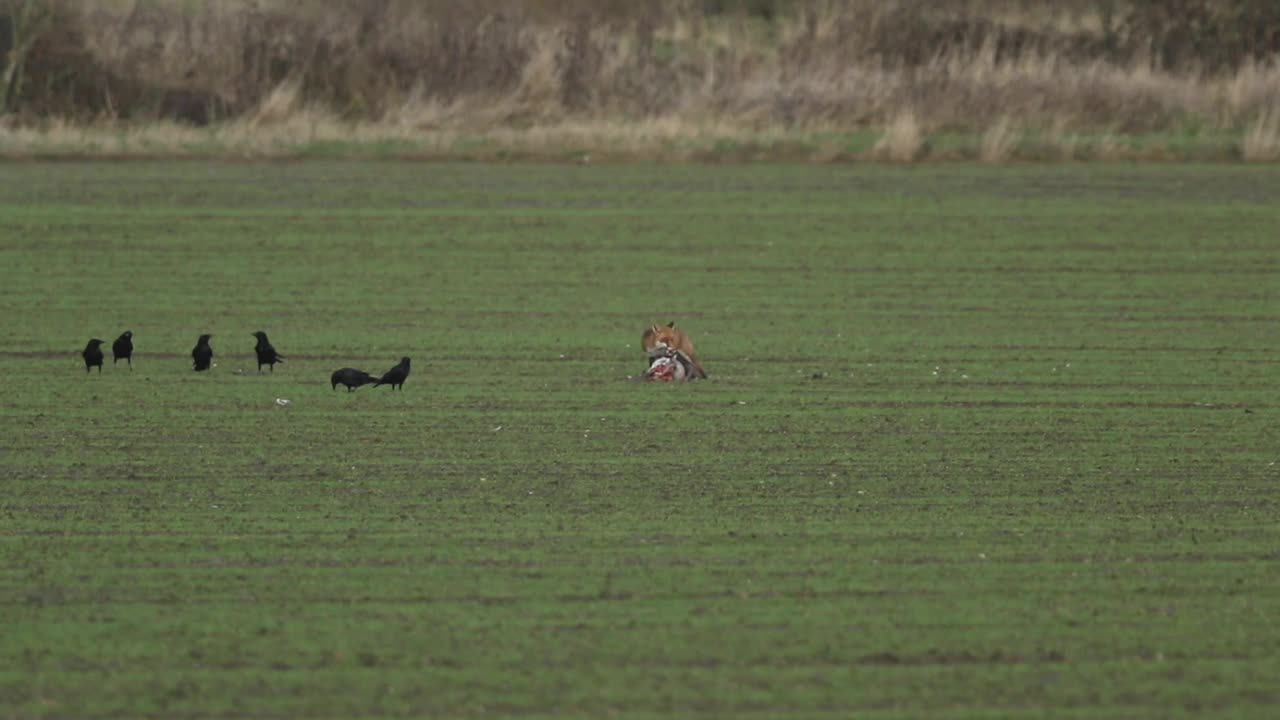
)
(977, 442)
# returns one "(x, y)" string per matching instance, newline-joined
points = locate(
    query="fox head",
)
(658, 336)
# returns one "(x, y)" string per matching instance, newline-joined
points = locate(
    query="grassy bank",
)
(976, 442)
(899, 81)
(310, 136)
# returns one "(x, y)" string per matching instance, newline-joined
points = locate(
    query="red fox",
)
(656, 339)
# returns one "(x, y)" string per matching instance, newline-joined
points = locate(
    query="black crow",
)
(92, 355)
(395, 376)
(267, 354)
(351, 377)
(202, 354)
(123, 348)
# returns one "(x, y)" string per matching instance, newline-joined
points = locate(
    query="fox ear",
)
(671, 324)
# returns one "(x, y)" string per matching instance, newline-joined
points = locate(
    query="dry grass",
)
(999, 141)
(314, 131)
(1262, 139)
(619, 78)
(903, 139)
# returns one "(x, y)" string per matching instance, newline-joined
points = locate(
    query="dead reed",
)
(630, 78)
